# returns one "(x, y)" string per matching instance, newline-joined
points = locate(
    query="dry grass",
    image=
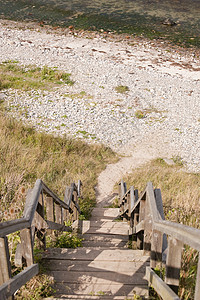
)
(26, 155)
(181, 197)
(180, 190)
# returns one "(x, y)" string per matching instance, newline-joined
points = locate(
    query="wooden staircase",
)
(104, 268)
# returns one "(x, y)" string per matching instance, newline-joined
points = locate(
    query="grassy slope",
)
(180, 190)
(26, 155)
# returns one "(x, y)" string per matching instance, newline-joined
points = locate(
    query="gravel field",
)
(159, 111)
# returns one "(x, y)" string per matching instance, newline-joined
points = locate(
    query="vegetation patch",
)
(12, 75)
(64, 240)
(122, 89)
(139, 114)
(26, 155)
(39, 287)
(180, 194)
(180, 190)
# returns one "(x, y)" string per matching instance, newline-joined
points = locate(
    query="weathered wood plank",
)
(156, 248)
(139, 227)
(105, 212)
(187, 235)
(92, 253)
(79, 188)
(49, 211)
(58, 214)
(5, 266)
(27, 246)
(56, 226)
(173, 263)
(147, 229)
(129, 267)
(54, 196)
(197, 287)
(160, 287)
(18, 255)
(13, 226)
(12, 285)
(68, 195)
(33, 201)
(114, 290)
(102, 277)
(132, 199)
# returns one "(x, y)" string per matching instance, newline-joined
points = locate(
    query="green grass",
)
(139, 114)
(64, 240)
(12, 75)
(122, 89)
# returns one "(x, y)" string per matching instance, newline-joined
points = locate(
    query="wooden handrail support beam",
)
(15, 283)
(35, 220)
(150, 229)
(159, 285)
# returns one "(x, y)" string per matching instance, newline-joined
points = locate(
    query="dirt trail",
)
(138, 155)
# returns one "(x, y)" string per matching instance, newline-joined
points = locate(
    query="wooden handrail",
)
(150, 231)
(44, 211)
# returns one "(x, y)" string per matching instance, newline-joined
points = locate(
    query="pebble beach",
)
(158, 106)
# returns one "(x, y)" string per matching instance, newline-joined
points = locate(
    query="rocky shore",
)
(157, 108)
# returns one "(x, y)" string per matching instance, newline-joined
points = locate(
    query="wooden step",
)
(100, 276)
(90, 271)
(104, 290)
(105, 240)
(105, 227)
(105, 212)
(95, 253)
(96, 266)
(104, 268)
(88, 297)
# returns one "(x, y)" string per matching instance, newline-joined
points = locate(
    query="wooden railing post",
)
(147, 229)
(156, 248)
(58, 214)
(5, 265)
(39, 220)
(131, 205)
(73, 209)
(76, 199)
(27, 246)
(122, 191)
(197, 287)
(140, 235)
(66, 214)
(173, 263)
(49, 211)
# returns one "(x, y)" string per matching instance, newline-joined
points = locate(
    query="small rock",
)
(2, 96)
(169, 22)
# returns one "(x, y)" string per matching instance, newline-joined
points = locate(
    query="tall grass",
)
(180, 190)
(181, 197)
(26, 155)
